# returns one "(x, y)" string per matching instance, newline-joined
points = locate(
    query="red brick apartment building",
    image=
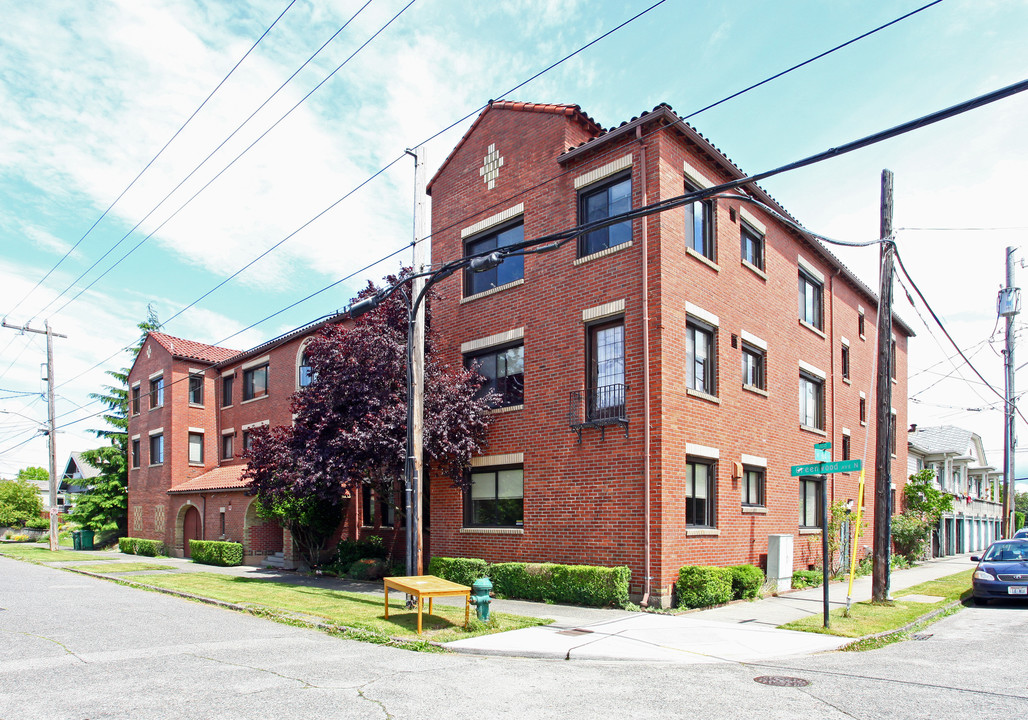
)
(673, 367)
(669, 369)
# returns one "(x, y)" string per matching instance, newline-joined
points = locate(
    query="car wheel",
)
(980, 601)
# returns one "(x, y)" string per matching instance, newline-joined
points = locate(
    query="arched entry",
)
(191, 529)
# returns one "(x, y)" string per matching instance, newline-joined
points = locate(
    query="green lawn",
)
(365, 612)
(868, 619)
(120, 567)
(39, 553)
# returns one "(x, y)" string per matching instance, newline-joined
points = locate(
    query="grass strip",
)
(37, 554)
(121, 567)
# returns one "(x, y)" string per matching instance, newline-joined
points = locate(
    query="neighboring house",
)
(75, 480)
(659, 376)
(958, 459)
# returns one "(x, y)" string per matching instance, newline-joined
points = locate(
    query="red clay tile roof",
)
(191, 350)
(220, 478)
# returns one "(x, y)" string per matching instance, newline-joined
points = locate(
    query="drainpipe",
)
(831, 355)
(203, 518)
(646, 380)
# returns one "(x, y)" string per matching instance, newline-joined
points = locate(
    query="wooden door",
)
(190, 528)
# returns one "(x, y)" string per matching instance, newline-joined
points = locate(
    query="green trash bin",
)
(76, 539)
(87, 539)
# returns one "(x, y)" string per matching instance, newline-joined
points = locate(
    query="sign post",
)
(822, 468)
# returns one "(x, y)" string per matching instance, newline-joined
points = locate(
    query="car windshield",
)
(1000, 552)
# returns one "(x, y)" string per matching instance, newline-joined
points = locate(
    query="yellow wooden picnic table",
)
(426, 586)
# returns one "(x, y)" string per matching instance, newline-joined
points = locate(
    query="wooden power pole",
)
(880, 573)
(418, 356)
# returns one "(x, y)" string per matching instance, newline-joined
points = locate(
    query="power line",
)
(152, 160)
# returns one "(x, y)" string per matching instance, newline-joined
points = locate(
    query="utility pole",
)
(418, 356)
(51, 418)
(1008, 305)
(880, 572)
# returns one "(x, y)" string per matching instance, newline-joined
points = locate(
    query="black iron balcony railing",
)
(598, 407)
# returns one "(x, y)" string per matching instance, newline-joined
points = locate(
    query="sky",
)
(300, 175)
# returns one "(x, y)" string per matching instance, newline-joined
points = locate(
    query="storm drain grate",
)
(921, 636)
(575, 631)
(781, 681)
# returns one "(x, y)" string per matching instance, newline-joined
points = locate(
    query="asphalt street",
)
(78, 647)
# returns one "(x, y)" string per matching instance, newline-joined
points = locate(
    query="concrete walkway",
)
(741, 631)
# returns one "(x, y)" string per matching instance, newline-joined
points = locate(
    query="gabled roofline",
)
(264, 347)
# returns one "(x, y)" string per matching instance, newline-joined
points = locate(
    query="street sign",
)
(823, 446)
(822, 455)
(826, 468)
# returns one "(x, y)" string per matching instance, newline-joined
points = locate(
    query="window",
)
(504, 373)
(863, 410)
(227, 383)
(195, 448)
(367, 507)
(699, 225)
(752, 245)
(511, 269)
(860, 324)
(606, 370)
(247, 437)
(845, 358)
(892, 434)
(255, 382)
(600, 203)
(156, 449)
(699, 493)
(892, 359)
(810, 300)
(753, 364)
(156, 392)
(495, 498)
(135, 400)
(810, 502)
(196, 389)
(222, 523)
(700, 357)
(135, 453)
(753, 486)
(305, 376)
(226, 446)
(812, 401)
(845, 447)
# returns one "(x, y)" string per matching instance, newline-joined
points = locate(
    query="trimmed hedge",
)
(216, 552)
(141, 546)
(806, 578)
(459, 570)
(703, 586)
(746, 581)
(545, 582)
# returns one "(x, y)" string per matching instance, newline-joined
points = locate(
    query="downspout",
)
(646, 379)
(203, 518)
(831, 354)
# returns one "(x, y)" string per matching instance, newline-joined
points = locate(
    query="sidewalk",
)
(741, 631)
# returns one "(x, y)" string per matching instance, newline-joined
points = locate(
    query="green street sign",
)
(826, 468)
(823, 446)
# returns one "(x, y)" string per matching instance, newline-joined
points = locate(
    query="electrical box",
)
(1009, 302)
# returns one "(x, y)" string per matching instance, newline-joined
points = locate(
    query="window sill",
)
(702, 532)
(160, 464)
(159, 407)
(810, 531)
(602, 253)
(196, 405)
(754, 510)
(817, 331)
(814, 430)
(847, 381)
(196, 465)
(703, 259)
(508, 409)
(755, 390)
(754, 269)
(491, 531)
(492, 291)
(244, 402)
(703, 396)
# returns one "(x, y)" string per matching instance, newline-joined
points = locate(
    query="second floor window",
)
(156, 392)
(810, 292)
(504, 373)
(255, 382)
(227, 385)
(752, 246)
(511, 269)
(699, 226)
(606, 370)
(195, 448)
(599, 203)
(305, 375)
(156, 449)
(700, 353)
(226, 446)
(196, 389)
(812, 402)
(135, 400)
(845, 358)
(135, 453)
(753, 367)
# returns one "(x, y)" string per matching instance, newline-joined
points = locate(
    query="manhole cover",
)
(781, 681)
(921, 636)
(575, 631)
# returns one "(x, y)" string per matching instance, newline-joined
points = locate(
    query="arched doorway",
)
(191, 529)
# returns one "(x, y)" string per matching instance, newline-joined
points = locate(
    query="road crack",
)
(58, 643)
(306, 684)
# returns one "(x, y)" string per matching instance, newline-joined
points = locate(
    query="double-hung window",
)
(504, 373)
(227, 385)
(196, 389)
(699, 225)
(701, 357)
(606, 370)
(195, 448)
(226, 446)
(304, 374)
(754, 366)
(135, 400)
(811, 291)
(255, 382)
(810, 501)
(600, 202)
(812, 401)
(699, 493)
(752, 245)
(753, 486)
(156, 449)
(845, 360)
(496, 498)
(156, 392)
(511, 269)
(135, 452)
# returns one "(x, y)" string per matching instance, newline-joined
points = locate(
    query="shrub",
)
(703, 586)
(459, 570)
(215, 552)
(524, 581)
(127, 545)
(746, 581)
(37, 523)
(367, 569)
(1018, 520)
(350, 551)
(140, 546)
(806, 578)
(910, 535)
(550, 582)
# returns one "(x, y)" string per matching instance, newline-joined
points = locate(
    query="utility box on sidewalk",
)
(779, 561)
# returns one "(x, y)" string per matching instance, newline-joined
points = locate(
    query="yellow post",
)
(856, 539)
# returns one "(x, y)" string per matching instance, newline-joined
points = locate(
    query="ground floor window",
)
(810, 502)
(699, 493)
(753, 486)
(496, 498)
